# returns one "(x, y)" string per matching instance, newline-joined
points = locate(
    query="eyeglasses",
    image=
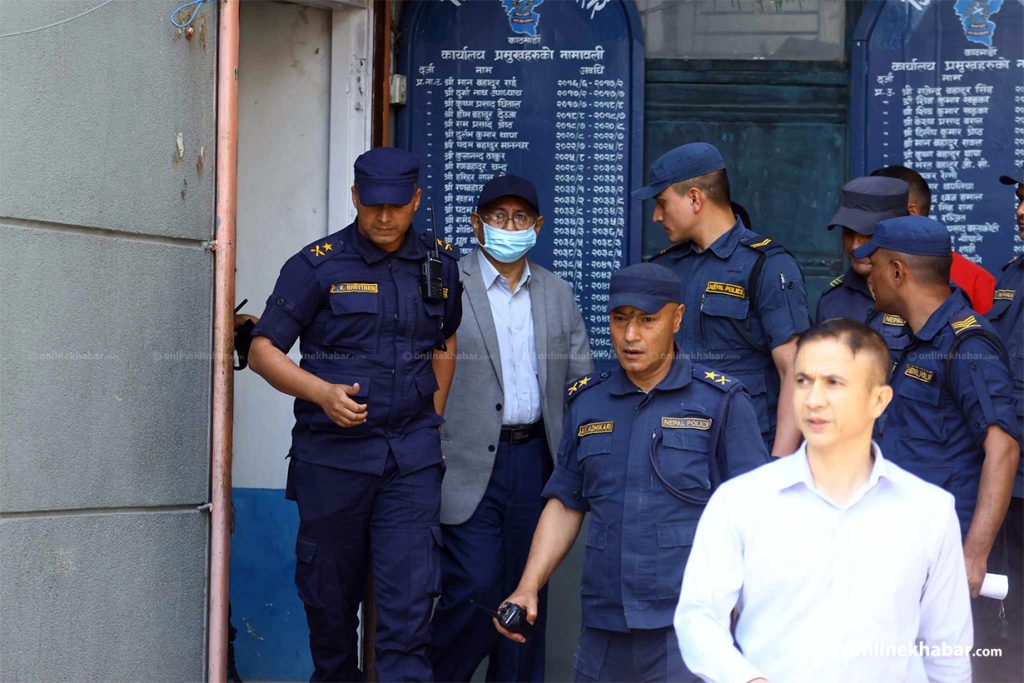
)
(500, 219)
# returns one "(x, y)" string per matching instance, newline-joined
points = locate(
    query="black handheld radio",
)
(512, 617)
(432, 285)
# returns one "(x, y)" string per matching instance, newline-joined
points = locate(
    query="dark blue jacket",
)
(639, 533)
(360, 318)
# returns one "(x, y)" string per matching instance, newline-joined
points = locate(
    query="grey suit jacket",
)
(472, 427)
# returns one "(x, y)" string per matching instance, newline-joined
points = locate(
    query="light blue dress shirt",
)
(513, 322)
(827, 593)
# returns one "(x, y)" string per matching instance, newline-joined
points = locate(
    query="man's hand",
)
(342, 410)
(526, 599)
(976, 568)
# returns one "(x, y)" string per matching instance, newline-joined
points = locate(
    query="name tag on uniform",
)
(596, 428)
(1004, 295)
(919, 373)
(702, 423)
(354, 287)
(726, 288)
(893, 319)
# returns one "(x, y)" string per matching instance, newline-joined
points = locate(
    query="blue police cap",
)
(646, 286)
(681, 163)
(917, 235)
(868, 200)
(386, 175)
(508, 186)
(1014, 179)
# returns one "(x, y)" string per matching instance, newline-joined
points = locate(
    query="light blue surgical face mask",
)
(508, 246)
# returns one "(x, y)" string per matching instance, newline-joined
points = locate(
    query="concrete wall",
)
(105, 324)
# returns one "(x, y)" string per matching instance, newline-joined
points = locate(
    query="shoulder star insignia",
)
(321, 250)
(711, 374)
(583, 382)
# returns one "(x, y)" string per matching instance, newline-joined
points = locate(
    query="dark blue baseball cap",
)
(386, 175)
(918, 235)
(646, 286)
(868, 200)
(508, 186)
(681, 163)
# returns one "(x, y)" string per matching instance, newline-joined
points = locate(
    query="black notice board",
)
(549, 90)
(939, 86)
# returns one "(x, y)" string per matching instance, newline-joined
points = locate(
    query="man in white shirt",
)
(841, 565)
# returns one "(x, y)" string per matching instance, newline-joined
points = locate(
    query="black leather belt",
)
(514, 434)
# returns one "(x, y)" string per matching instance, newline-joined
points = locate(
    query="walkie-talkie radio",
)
(512, 617)
(432, 285)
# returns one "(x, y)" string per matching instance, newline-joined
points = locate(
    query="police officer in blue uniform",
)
(865, 202)
(377, 343)
(744, 293)
(951, 421)
(642, 450)
(1007, 317)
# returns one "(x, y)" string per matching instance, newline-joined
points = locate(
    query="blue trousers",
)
(482, 561)
(648, 655)
(347, 522)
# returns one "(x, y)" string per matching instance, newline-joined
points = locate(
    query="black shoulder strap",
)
(960, 339)
(717, 429)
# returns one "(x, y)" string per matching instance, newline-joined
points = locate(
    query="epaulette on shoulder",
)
(585, 382)
(765, 245)
(1016, 258)
(443, 246)
(836, 282)
(964, 324)
(714, 378)
(323, 250)
(668, 250)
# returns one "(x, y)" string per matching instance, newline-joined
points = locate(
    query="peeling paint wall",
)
(107, 139)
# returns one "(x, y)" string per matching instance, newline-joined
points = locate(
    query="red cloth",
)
(977, 283)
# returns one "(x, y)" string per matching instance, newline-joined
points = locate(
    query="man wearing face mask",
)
(522, 341)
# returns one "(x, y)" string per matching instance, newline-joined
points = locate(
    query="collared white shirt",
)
(513, 322)
(826, 593)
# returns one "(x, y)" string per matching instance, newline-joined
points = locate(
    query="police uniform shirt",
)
(361, 318)
(1007, 319)
(937, 421)
(732, 323)
(848, 296)
(639, 534)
